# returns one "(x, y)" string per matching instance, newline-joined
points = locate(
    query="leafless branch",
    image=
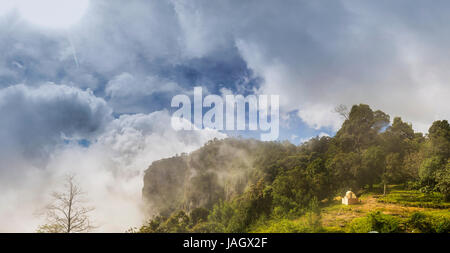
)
(342, 110)
(66, 214)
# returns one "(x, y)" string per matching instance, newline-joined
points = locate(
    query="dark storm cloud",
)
(35, 120)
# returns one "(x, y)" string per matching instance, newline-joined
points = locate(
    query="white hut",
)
(350, 198)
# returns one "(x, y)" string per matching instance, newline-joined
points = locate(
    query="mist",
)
(108, 159)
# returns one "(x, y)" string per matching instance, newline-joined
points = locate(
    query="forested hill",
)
(220, 170)
(229, 185)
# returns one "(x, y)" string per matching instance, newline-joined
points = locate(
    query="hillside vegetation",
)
(374, 213)
(241, 185)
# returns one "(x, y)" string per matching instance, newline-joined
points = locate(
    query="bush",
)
(198, 215)
(413, 185)
(375, 221)
(153, 226)
(443, 181)
(208, 227)
(301, 225)
(360, 225)
(429, 224)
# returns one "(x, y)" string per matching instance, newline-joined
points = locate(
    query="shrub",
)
(375, 221)
(429, 224)
(153, 226)
(413, 185)
(199, 214)
(208, 227)
(178, 222)
(360, 225)
(284, 225)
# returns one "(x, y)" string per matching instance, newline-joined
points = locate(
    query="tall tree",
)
(439, 134)
(399, 142)
(373, 165)
(391, 170)
(443, 181)
(433, 170)
(398, 137)
(361, 128)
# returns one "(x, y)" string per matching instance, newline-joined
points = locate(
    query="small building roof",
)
(350, 195)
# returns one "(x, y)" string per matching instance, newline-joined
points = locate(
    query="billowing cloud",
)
(40, 130)
(320, 116)
(36, 119)
(313, 54)
(110, 171)
(36, 122)
(112, 167)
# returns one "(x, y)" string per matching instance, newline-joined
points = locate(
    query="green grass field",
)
(415, 198)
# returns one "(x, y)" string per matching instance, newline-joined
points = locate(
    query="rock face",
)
(164, 183)
(219, 170)
(350, 198)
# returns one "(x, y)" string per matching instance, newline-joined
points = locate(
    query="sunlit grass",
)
(416, 199)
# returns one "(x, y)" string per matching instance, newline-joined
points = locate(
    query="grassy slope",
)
(335, 217)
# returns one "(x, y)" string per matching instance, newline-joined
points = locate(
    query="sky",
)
(86, 86)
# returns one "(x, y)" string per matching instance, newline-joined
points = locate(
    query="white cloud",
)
(110, 171)
(112, 168)
(322, 54)
(35, 121)
(313, 54)
(320, 116)
(320, 135)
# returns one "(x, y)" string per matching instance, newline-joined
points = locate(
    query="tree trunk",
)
(384, 189)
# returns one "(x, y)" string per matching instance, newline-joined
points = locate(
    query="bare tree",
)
(342, 110)
(67, 213)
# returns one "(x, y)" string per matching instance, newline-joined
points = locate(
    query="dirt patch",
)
(340, 215)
